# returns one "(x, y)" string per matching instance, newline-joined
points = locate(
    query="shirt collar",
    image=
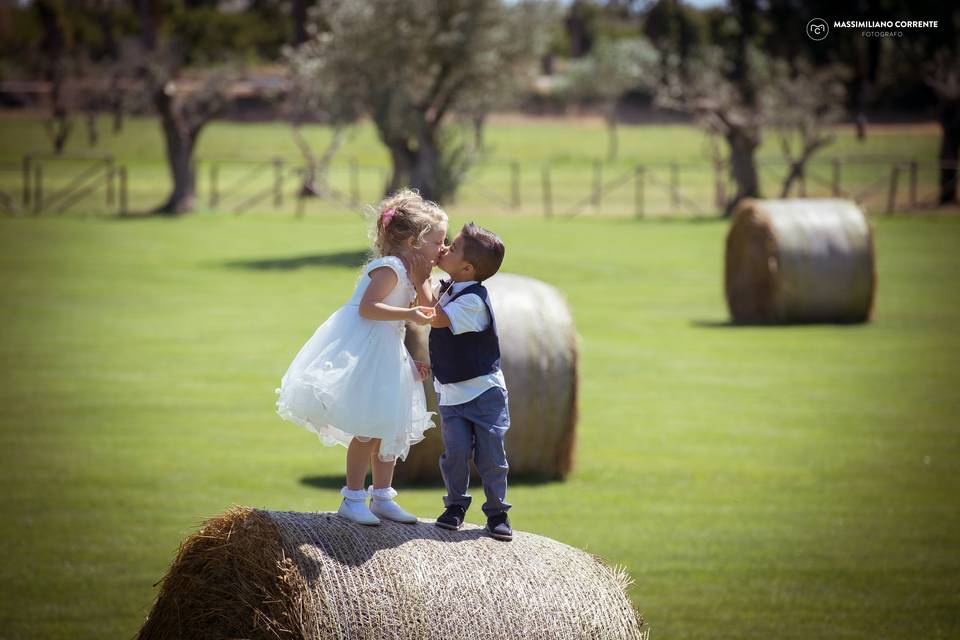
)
(457, 287)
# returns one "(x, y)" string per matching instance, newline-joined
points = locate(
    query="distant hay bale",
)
(266, 574)
(538, 346)
(803, 260)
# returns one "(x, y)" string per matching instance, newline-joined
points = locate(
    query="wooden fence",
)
(94, 183)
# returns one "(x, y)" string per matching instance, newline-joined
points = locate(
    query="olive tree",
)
(410, 65)
(312, 96)
(942, 74)
(802, 104)
(610, 70)
(722, 109)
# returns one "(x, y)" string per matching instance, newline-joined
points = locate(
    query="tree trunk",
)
(93, 133)
(861, 123)
(148, 13)
(479, 121)
(795, 170)
(59, 127)
(743, 143)
(117, 102)
(315, 179)
(298, 12)
(949, 150)
(612, 147)
(578, 31)
(117, 116)
(402, 159)
(417, 168)
(53, 46)
(309, 186)
(416, 163)
(182, 170)
(180, 140)
(426, 167)
(745, 12)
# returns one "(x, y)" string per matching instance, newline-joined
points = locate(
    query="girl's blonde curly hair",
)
(403, 215)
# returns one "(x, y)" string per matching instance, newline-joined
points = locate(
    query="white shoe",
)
(382, 504)
(354, 507)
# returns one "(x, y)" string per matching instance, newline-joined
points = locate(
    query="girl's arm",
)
(372, 307)
(425, 294)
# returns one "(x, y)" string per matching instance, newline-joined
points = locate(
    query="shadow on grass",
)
(730, 324)
(336, 481)
(344, 259)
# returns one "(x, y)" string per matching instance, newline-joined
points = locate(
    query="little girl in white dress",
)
(354, 383)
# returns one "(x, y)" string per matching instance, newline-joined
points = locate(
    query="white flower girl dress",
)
(355, 378)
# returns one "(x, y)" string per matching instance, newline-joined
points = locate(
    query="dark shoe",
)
(452, 517)
(498, 526)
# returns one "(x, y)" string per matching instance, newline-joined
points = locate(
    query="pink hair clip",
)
(387, 216)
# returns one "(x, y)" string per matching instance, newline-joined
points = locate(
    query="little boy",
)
(465, 357)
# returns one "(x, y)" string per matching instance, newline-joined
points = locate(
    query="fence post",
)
(638, 177)
(354, 182)
(277, 182)
(674, 186)
(214, 185)
(123, 191)
(547, 195)
(515, 184)
(38, 188)
(892, 194)
(597, 183)
(111, 197)
(913, 183)
(836, 177)
(26, 181)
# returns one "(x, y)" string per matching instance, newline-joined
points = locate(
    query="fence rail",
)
(95, 183)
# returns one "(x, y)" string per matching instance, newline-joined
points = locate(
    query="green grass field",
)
(790, 482)
(782, 482)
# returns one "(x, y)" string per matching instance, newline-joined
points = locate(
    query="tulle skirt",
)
(355, 378)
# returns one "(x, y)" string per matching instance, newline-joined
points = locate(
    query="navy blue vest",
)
(456, 358)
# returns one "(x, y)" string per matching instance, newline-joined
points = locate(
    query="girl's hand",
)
(423, 369)
(420, 268)
(421, 315)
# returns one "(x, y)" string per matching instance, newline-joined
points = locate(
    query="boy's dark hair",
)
(483, 249)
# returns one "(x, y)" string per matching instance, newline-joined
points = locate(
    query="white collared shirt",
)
(466, 313)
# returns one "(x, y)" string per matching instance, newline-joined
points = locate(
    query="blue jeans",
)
(476, 429)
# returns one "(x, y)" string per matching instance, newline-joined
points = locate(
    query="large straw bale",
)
(799, 260)
(251, 573)
(538, 346)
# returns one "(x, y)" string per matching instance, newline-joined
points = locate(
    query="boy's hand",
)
(421, 315)
(423, 369)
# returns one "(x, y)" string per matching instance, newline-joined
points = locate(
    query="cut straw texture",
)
(266, 574)
(801, 260)
(538, 347)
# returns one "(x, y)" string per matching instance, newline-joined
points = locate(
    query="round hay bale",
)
(538, 349)
(266, 574)
(801, 260)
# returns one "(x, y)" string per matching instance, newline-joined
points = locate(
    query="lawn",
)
(789, 482)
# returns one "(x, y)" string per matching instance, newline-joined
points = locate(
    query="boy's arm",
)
(440, 319)
(463, 315)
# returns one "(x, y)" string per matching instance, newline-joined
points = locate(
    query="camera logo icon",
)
(817, 29)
